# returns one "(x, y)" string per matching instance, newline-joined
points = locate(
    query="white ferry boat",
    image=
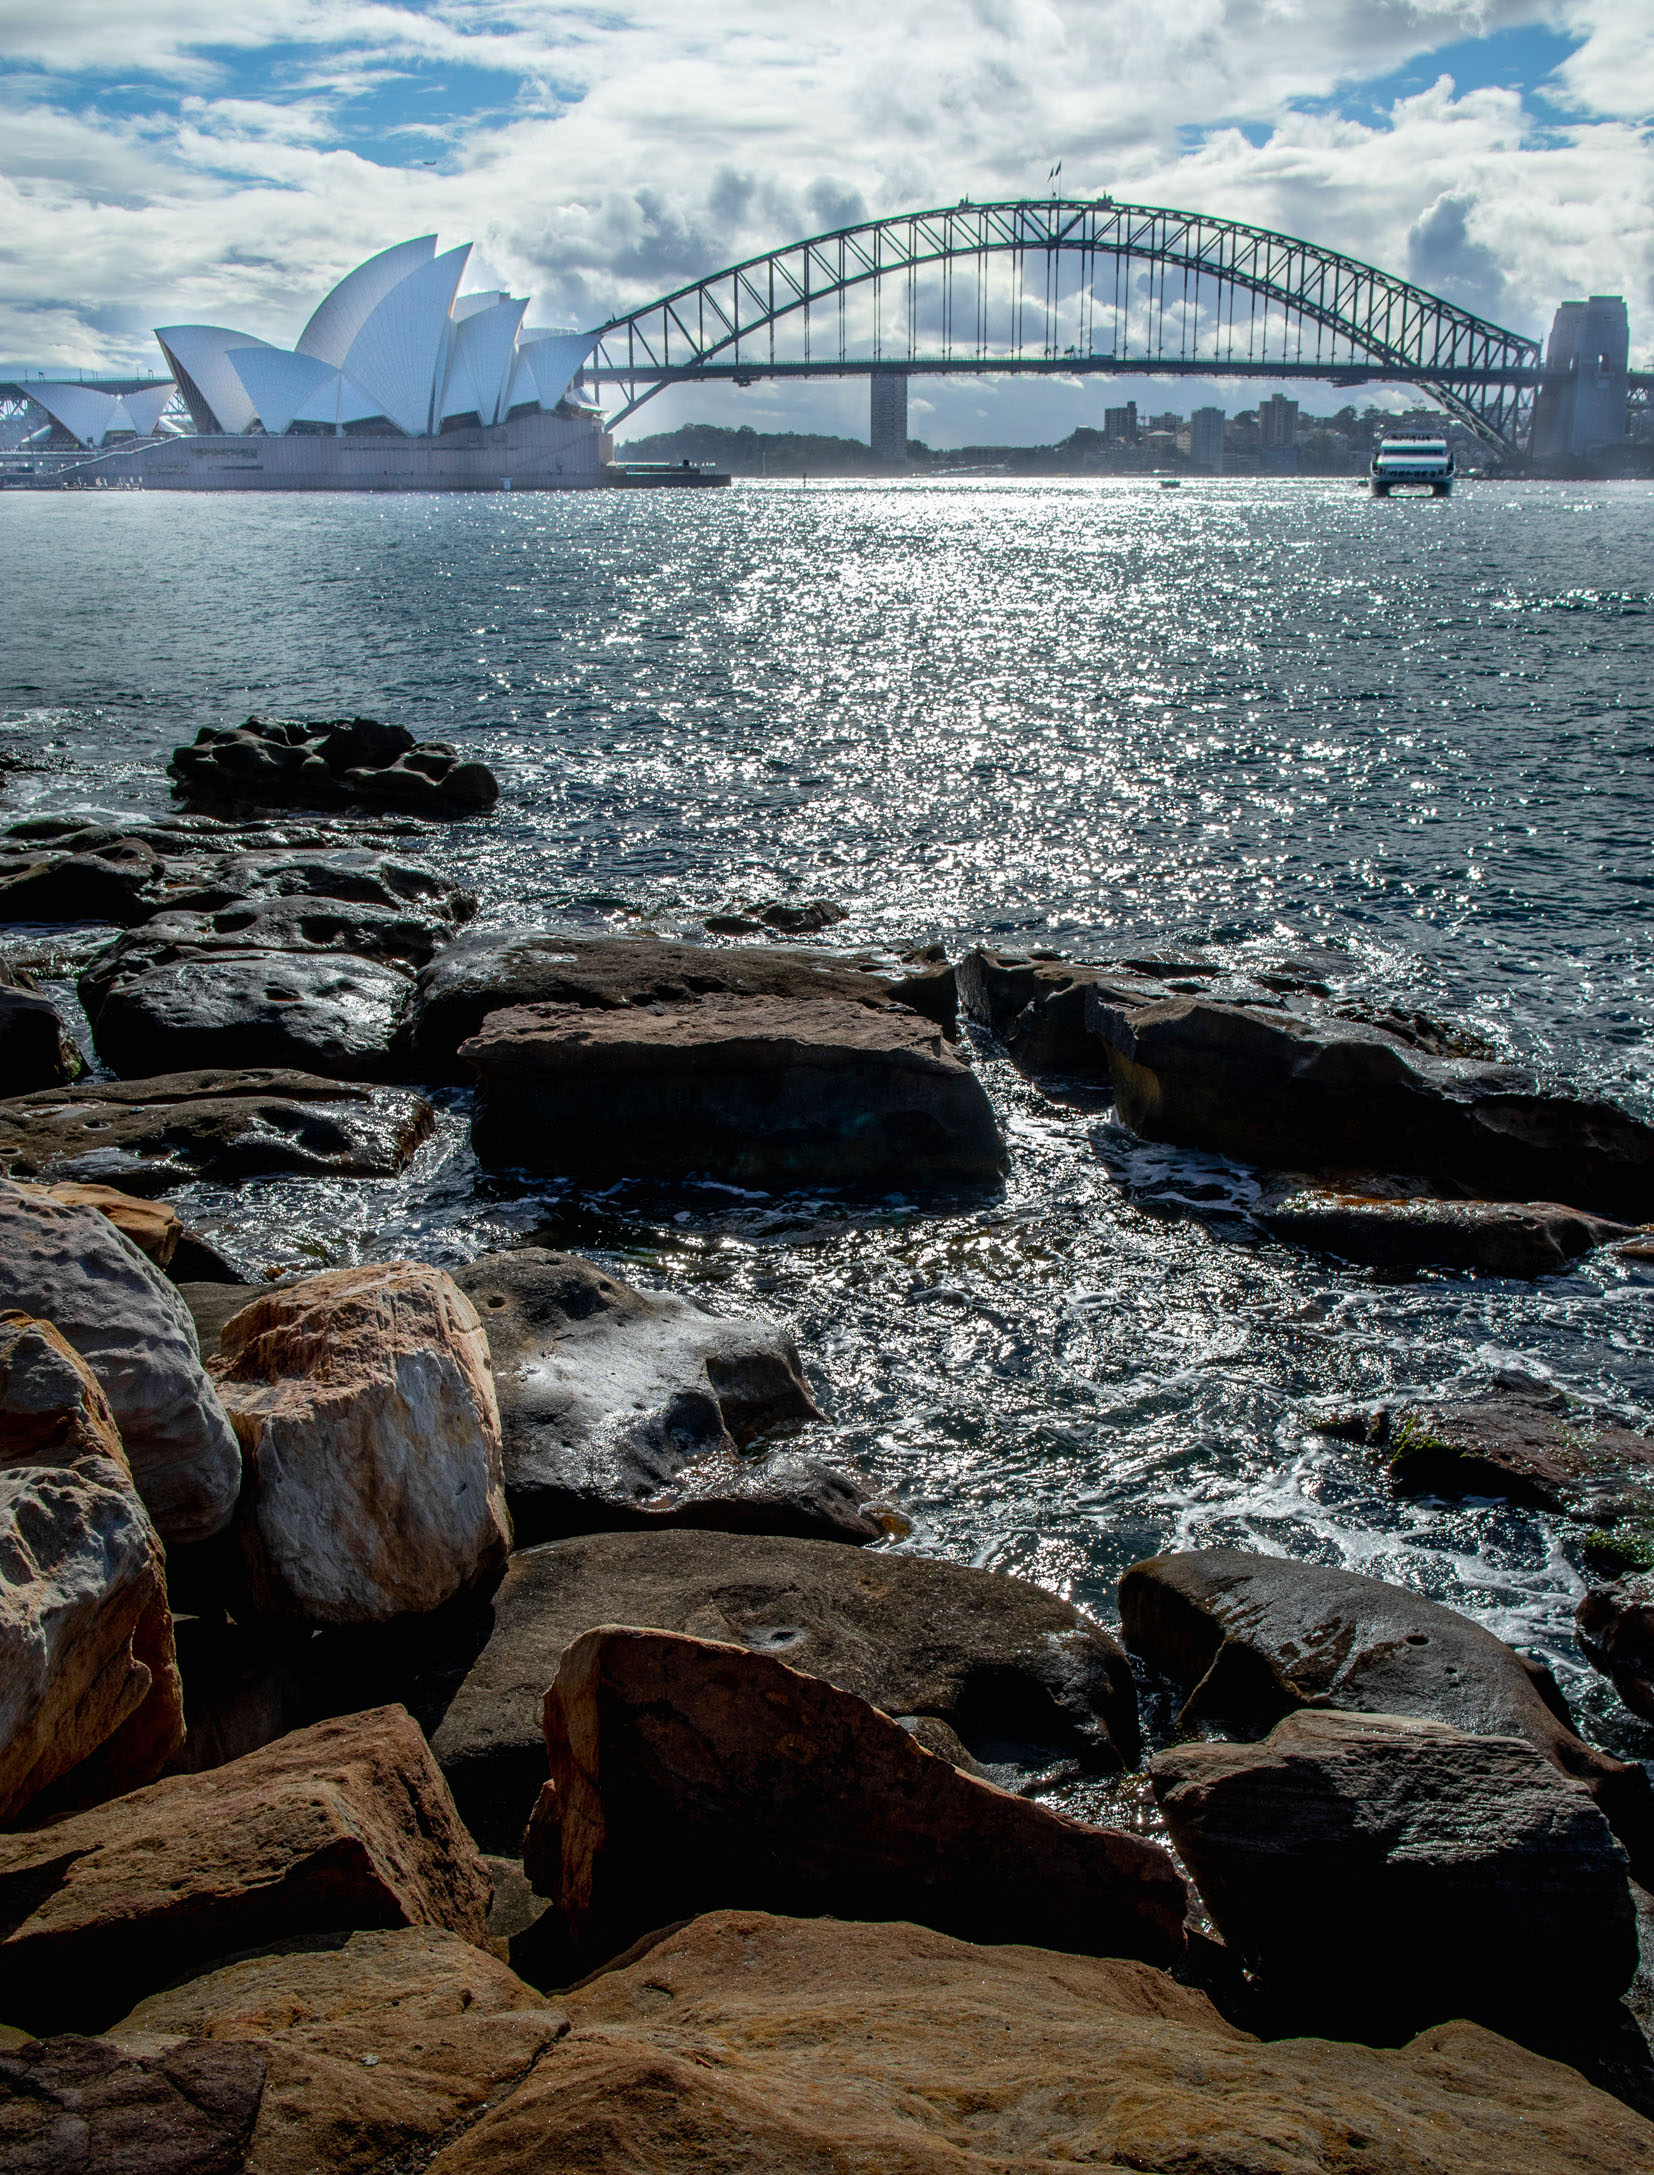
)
(1423, 464)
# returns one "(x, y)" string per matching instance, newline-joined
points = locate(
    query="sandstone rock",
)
(1036, 1006)
(221, 1126)
(1379, 1873)
(244, 1687)
(1527, 1449)
(786, 918)
(70, 1266)
(333, 765)
(364, 1406)
(743, 2042)
(492, 971)
(312, 1011)
(1616, 1636)
(1021, 1679)
(611, 1399)
(89, 1693)
(152, 1227)
(1486, 1238)
(688, 1775)
(357, 874)
(34, 1050)
(71, 2106)
(1252, 1638)
(1323, 1094)
(348, 1824)
(375, 2045)
(754, 1091)
(119, 883)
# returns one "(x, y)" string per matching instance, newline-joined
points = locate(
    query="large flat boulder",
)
(361, 875)
(1017, 1679)
(364, 1405)
(74, 2106)
(494, 970)
(70, 1266)
(623, 1407)
(1325, 1094)
(316, 1011)
(90, 1701)
(772, 1092)
(1251, 1639)
(745, 2042)
(146, 1135)
(689, 1775)
(347, 1824)
(119, 881)
(1481, 1238)
(1378, 1873)
(373, 2045)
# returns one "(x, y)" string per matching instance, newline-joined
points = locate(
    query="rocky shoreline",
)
(452, 1720)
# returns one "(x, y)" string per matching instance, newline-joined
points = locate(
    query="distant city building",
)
(1592, 342)
(1277, 423)
(1206, 438)
(1120, 424)
(889, 417)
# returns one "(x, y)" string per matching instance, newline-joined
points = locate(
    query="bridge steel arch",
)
(1173, 289)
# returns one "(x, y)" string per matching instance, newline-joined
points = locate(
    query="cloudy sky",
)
(175, 160)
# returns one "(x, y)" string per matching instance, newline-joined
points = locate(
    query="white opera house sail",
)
(398, 382)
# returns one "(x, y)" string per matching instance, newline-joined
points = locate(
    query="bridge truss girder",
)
(1353, 317)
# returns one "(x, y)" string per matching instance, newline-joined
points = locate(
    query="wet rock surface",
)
(148, 1134)
(1035, 1005)
(626, 1407)
(347, 762)
(1483, 1238)
(35, 1052)
(1531, 1449)
(1325, 1094)
(74, 2106)
(1017, 1678)
(744, 2041)
(1250, 1639)
(1467, 1874)
(494, 970)
(752, 1091)
(68, 1265)
(363, 1402)
(119, 880)
(346, 1824)
(374, 2045)
(1615, 1622)
(780, 1791)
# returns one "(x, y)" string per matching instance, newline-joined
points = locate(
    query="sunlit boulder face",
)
(394, 348)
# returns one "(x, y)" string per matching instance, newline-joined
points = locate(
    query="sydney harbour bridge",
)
(1073, 288)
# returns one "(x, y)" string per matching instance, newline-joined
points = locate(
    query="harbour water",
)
(1406, 744)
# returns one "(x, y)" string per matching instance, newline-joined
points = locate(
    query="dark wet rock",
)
(622, 1407)
(770, 1092)
(72, 2106)
(307, 928)
(780, 1792)
(1022, 1681)
(353, 875)
(802, 917)
(35, 1052)
(320, 1012)
(1250, 1639)
(1525, 1448)
(68, 1265)
(243, 1688)
(1312, 1094)
(145, 1135)
(196, 1260)
(1420, 1030)
(494, 970)
(1379, 1873)
(1484, 1238)
(352, 762)
(1036, 1006)
(119, 883)
(346, 1824)
(1615, 1623)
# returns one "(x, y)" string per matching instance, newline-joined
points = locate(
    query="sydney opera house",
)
(398, 382)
